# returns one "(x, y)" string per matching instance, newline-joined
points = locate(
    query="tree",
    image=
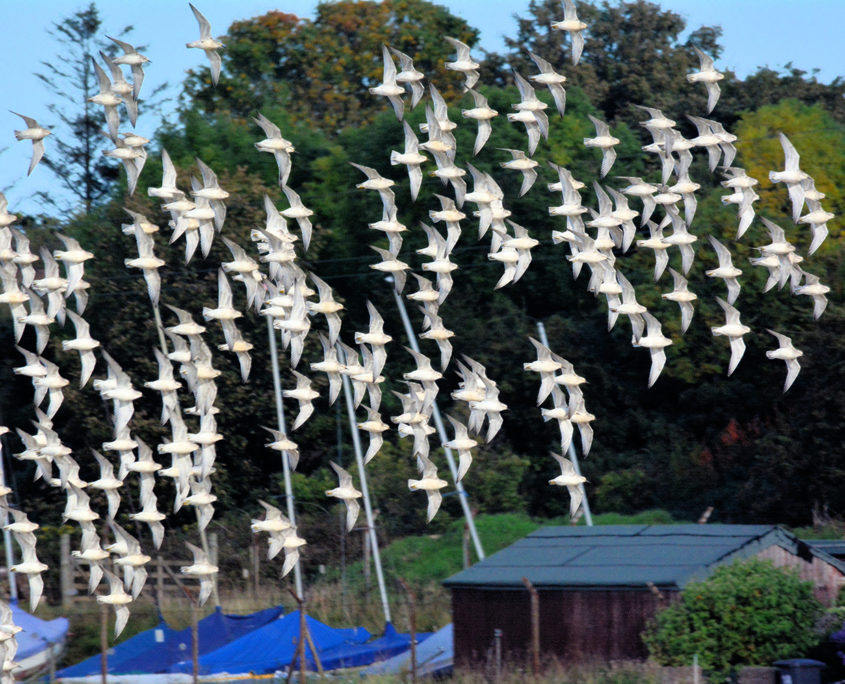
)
(78, 162)
(748, 613)
(321, 70)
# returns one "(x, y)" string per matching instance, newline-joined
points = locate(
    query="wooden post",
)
(299, 652)
(65, 571)
(195, 645)
(465, 547)
(212, 557)
(535, 626)
(314, 653)
(256, 567)
(366, 531)
(159, 581)
(104, 642)
(412, 622)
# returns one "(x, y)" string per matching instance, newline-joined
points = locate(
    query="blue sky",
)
(755, 33)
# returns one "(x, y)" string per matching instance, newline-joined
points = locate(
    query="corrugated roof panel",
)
(622, 555)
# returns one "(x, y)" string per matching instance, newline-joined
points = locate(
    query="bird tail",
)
(393, 157)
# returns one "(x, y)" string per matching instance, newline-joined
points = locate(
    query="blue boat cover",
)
(37, 634)
(435, 655)
(155, 650)
(272, 647)
(389, 644)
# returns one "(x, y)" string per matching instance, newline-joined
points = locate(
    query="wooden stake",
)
(535, 626)
(104, 642)
(195, 644)
(412, 620)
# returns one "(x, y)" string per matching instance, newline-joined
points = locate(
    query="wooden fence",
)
(164, 580)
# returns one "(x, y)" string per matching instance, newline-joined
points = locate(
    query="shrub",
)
(748, 613)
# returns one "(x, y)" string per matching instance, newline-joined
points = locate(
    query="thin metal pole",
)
(441, 431)
(585, 504)
(7, 537)
(280, 420)
(368, 509)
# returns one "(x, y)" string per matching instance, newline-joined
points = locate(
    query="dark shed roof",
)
(626, 556)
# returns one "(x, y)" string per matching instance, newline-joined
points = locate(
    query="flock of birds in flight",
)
(282, 293)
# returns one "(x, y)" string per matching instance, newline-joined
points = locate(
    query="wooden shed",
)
(598, 586)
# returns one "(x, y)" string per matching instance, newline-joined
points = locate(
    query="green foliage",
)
(748, 613)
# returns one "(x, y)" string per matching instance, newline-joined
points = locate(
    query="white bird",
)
(683, 297)
(410, 76)
(346, 492)
(122, 88)
(376, 338)
(276, 145)
(212, 192)
(373, 426)
(529, 102)
(328, 307)
(550, 78)
(107, 483)
(203, 570)
(814, 288)
(733, 329)
(274, 520)
(655, 341)
(304, 395)
(133, 160)
(207, 43)
(84, 344)
(201, 499)
(36, 133)
(726, 270)
(92, 553)
(300, 212)
(31, 567)
(118, 599)
(483, 114)
(573, 26)
(224, 312)
(375, 181)
(285, 446)
(816, 218)
(707, 75)
(522, 163)
(389, 87)
(392, 265)
(133, 59)
(411, 158)
(582, 418)
(630, 306)
(604, 141)
(433, 329)
(246, 267)
(463, 444)
(788, 353)
(107, 99)
(430, 484)
(656, 243)
(572, 480)
(147, 261)
(463, 62)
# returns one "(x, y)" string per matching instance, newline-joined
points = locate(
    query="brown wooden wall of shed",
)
(574, 625)
(826, 579)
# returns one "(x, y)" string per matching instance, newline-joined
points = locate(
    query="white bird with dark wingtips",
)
(346, 492)
(707, 75)
(573, 26)
(788, 353)
(207, 43)
(733, 329)
(36, 133)
(572, 480)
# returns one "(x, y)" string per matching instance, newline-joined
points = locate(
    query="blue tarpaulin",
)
(37, 634)
(157, 649)
(435, 655)
(272, 647)
(356, 655)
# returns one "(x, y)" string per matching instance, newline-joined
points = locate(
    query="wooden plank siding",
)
(574, 625)
(826, 579)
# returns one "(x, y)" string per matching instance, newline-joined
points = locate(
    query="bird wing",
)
(205, 27)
